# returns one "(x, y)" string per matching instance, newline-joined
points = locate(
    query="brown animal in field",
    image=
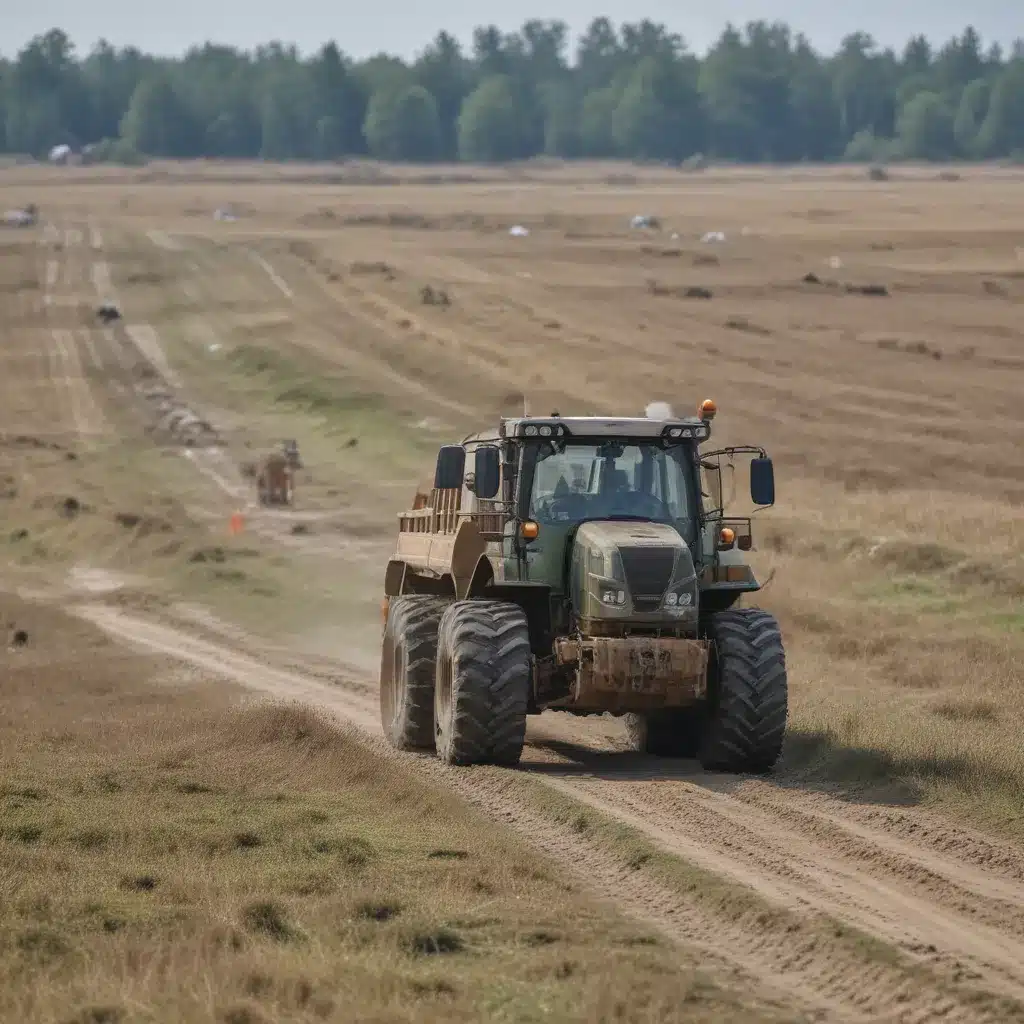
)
(290, 449)
(275, 480)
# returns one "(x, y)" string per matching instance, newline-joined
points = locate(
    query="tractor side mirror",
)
(762, 482)
(451, 466)
(488, 471)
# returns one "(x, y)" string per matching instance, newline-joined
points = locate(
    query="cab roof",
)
(605, 426)
(677, 428)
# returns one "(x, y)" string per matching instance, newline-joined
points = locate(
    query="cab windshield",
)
(613, 480)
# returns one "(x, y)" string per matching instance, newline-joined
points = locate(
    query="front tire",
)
(407, 663)
(748, 696)
(484, 672)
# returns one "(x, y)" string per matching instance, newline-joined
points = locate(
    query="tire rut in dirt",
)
(950, 931)
(985, 896)
(810, 966)
(945, 913)
(483, 683)
(745, 727)
(407, 668)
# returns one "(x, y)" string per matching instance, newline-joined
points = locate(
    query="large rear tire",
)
(748, 693)
(407, 663)
(484, 672)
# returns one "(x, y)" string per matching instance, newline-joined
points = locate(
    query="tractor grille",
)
(648, 571)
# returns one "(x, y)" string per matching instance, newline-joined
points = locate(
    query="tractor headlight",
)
(609, 586)
(605, 579)
(681, 597)
(678, 601)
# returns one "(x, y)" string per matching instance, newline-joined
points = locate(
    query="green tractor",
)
(586, 565)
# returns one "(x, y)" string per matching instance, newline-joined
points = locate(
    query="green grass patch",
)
(928, 595)
(316, 391)
(1006, 621)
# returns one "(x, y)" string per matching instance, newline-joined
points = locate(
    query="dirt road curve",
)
(953, 901)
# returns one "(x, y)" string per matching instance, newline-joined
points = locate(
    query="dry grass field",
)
(868, 334)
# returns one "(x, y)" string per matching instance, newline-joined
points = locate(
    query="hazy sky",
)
(404, 26)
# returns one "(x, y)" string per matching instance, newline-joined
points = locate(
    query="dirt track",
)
(949, 898)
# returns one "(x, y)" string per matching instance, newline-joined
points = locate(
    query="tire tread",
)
(488, 645)
(746, 730)
(414, 620)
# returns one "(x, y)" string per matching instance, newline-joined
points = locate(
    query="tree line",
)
(760, 94)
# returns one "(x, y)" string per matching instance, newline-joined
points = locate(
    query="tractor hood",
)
(629, 532)
(629, 574)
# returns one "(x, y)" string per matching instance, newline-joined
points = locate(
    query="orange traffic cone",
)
(236, 524)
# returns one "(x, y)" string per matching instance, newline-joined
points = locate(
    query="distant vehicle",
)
(275, 480)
